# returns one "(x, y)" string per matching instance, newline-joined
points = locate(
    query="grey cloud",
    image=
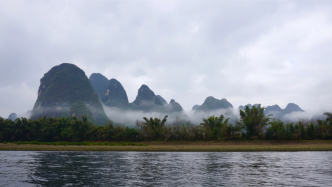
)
(246, 51)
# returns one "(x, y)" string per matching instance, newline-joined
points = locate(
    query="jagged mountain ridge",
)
(212, 103)
(114, 95)
(146, 100)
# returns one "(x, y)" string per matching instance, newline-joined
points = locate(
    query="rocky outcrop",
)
(116, 95)
(212, 103)
(175, 106)
(163, 101)
(99, 83)
(146, 100)
(62, 87)
(12, 116)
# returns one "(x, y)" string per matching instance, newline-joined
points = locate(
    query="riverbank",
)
(202, 146)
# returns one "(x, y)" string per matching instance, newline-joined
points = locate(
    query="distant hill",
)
(318, 116)
(273, 108)
(146, 100)
(175, 106)
(195, 107)
(212, 103)
(276, 111)
(291, 107)
(163, 101)
(66, 91)
(99, 83)
(116, 95)
(28, 114)
(241, 107)
(280, 113)
(12, 116)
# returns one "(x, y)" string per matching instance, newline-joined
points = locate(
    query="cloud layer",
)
(268, 52)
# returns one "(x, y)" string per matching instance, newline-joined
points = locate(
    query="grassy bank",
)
(78, 143)
(214, 146)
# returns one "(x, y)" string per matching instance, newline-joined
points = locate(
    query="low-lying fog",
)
(129, 117)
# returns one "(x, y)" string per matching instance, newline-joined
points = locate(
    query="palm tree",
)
(156, 122)
(277, 126)
(215, 124)
(328, 115)
(254, 120)
(156, 125)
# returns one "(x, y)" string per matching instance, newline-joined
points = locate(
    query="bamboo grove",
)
(252, 124)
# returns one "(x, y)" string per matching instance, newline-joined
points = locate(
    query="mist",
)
(129, 117)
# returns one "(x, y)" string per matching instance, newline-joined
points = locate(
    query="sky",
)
(267, 52)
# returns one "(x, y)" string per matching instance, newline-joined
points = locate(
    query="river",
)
(33, 168)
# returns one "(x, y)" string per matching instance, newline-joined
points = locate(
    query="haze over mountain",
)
(13, 116)
(116, 95)
(99, 83)
(212, 103)
(162, 99)
(175, 106)
(146, 100)
(276, 111)
(195, 107)
(66, 91)
(241, 107)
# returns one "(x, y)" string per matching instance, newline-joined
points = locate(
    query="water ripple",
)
(165, 168)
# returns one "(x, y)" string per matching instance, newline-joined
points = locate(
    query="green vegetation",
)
(69, 129)
(197, 146)
(79, 109)
(78, 143)
(254, 121)
(253, 125)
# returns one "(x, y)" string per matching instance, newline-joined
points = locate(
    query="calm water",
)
(165, 169)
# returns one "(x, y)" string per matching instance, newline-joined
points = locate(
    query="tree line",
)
(252, 124)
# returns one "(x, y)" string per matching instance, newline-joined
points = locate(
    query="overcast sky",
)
(268, 52)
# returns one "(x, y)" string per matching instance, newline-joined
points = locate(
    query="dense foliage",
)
(63, 129)
(253, 124)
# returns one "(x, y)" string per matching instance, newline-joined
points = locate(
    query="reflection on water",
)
(165, 168)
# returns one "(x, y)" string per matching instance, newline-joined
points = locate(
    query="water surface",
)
(32, 168)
